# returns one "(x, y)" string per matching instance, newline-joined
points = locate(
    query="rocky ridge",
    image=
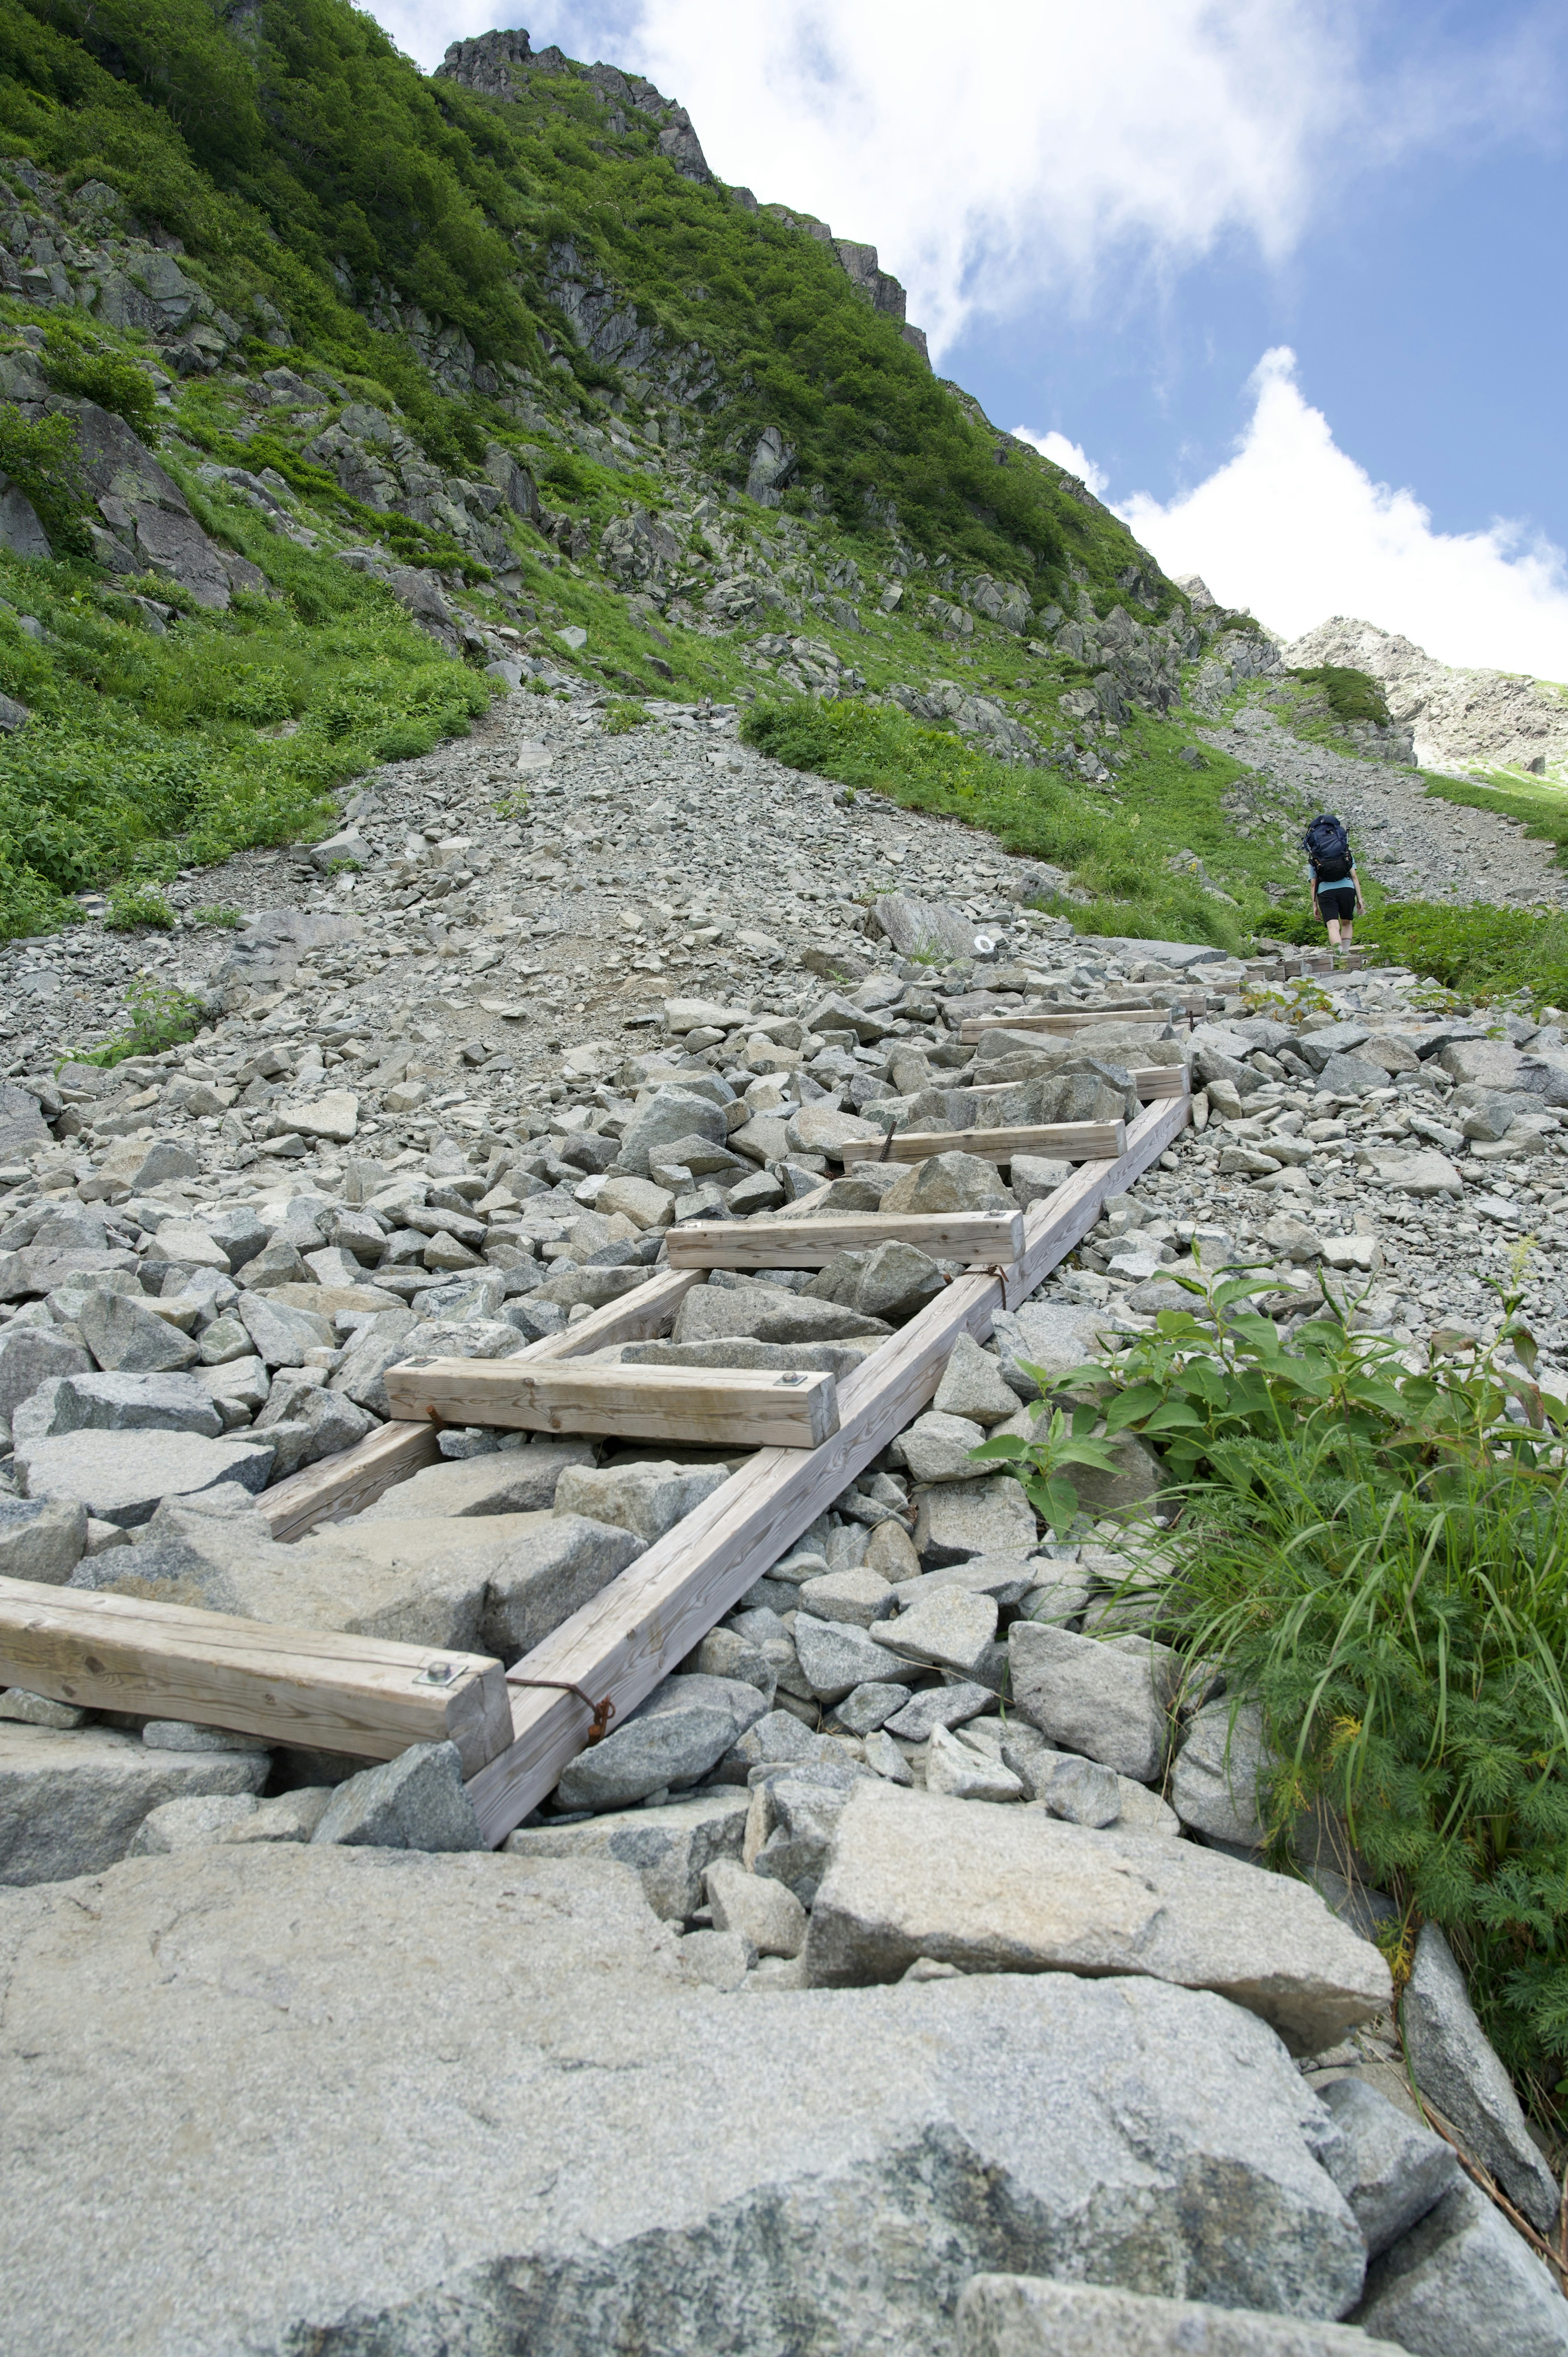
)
(1459, 717)
(211, 1256)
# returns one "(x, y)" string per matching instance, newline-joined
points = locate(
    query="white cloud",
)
(1032, 145)
(1063, 453)
(1295, 529)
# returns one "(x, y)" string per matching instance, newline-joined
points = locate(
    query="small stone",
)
(1461, 2280)
(869, 1707)
(415, 1801)
(670, 1848)
(719, 1960)
(1098, 1698)
(123, 1334)
(940, 1447)
(40, 1710)
(336, 1116)
(280, 1336)
(117, 1402)
(1034, 1177)
(123, 1478)
(886, 1760)
(1390, 2169)
(756, 1907)
(949, 1182)
(1215, 1784)
(194, 1824)
(965, 1775)
(951, 1630)
(960, 1519)
(680, 1732)
(186, 1734)
(1033, 2315)
(858, 1599)
(973, 1387)
(41, 1539)
(1078, 1790)
(649, 1499)
(1459, 2073)
(940, 1707)
(836, 1658)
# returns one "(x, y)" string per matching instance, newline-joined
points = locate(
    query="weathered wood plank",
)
(309, 1686)
(1061, 1024)
(1062, 1141)
(344, 1484)
(642, 1316)
(1159, 1081)
(978, 1238)
(636, 1629)
(713, 1407)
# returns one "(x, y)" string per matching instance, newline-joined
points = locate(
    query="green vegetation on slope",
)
(149, 753)
(1122, 852)
(1350, 695)
(1483, 954)
(1541, 810)
(1378, 1561)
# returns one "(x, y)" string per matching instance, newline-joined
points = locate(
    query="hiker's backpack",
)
(1328, 848)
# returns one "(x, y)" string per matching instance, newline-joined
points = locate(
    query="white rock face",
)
(1458, 717)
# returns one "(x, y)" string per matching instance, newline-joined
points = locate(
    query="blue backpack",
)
(1328, 846)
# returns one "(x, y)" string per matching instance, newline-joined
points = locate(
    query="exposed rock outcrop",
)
(1459, 718)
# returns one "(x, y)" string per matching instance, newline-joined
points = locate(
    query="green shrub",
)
(1350, 695)
(133, 906)
(621, 717)
(44, 463)
(77, 364)
(219, 912)
(1377, 1559)
(1483, 951)
(162, 1015)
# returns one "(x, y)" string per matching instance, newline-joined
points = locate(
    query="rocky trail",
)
(906, 1965)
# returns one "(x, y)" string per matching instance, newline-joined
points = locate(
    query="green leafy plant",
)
(43, 461)
(621, 717)
(219, 912)
(1350, 695)
(162, 1015)
(1376, 1556)
(135, 905)
(1061, 1439)
(76, 363)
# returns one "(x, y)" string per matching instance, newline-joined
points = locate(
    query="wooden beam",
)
(978, 1237)
(1063, 1141)
(1156, 1081)
(640, 1316)
(337, 1487)
(634, 1631)
(308, 1686)
(1059, 1025)
(728, 1407)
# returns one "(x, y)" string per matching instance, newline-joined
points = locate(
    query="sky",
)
(1284, 280)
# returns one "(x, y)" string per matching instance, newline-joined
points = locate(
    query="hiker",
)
(1336, 893)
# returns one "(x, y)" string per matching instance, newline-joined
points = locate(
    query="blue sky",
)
(1288, 275)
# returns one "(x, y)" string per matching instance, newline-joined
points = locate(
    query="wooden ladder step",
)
(717, 1407)
(309, 1686)
(1060, 1025)
(1059, 1141)
(980, 1238)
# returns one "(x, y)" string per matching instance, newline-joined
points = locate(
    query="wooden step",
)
(1061, 1024)
(709, 1406)
(981, 1239)
(308, 1686)
(1058, 1141)
(638, 1627)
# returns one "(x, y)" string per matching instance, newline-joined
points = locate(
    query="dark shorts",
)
(1337, 900)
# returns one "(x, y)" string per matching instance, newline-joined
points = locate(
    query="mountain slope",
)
(1460, 718)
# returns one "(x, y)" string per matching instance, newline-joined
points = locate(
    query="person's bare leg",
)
(1349, 931)
(1333, 925)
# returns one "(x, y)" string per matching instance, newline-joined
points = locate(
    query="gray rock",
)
(41, 1710)
(890, 1283)
(306, 1422)
(834, 1657)
(802, 1808)
(505, 1481)
(762, 1911)
(70, 1803)
(1215, 1783)
(957, 1520)
(117, 1402)
(123, 1478)
(557, 1566)
(1027, 2316)
(281, 1336)
(1051, 1335)
(671, 1113)
(966, 1772)
(713, 2196)
(1352, 1076)
(871, 1705)
(1035, 1176)
(949, 1182)
(682, 1731)
(765, 1313)
(1390, 2169)
(124, 1335)
(947, 1706)
(777, 1738)
(915, 1874)
(1081, 1791)
(415, 1801)
(41, 1539)
(1460, 2075)
(670, 1848)
(949, 1630)
(938, 1447)
(188, 1735)
(719, 1960)
(726, 1653)
(291, 1817)
(973, 1386)
(858, 1597)
(31, 1355)
(649, 1499)
(1105, 1699)
(195, 1823)
(1463, 2283)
